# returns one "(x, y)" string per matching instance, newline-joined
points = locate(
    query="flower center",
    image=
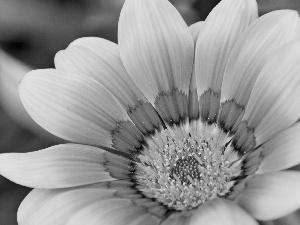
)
(183, 169)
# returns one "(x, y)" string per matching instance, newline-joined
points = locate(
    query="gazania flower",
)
(174, 125)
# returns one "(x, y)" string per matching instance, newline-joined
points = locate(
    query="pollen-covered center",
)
(185, 169)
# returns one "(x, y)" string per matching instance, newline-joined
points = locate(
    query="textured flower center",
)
(185, 171)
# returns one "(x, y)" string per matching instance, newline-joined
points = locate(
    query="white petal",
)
(193, 104)
(282, 151)
(221, 212)
(100, 59)
(252, 50)
(33, 201)
(112, 212)
(178, 220)
(73, 106)
(50, 207)
(9, 96)
(196, 29)
(272, 195)
(274, 103)
(222, 28)
(62, 166)
(156, 47)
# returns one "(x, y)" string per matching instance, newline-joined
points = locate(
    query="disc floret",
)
(185, 172)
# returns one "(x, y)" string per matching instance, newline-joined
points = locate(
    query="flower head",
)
(174, 125)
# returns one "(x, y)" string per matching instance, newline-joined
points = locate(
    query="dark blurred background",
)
(31, 32)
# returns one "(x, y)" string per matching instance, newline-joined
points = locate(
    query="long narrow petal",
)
(253, 49)
(84, 205)
(76, 108)
(196, 29)
(249, 55)
(222, 28)
(221, 212)
(104, 212)
(274, 104)
(178, 220)
(100, 59)
(272, 195)
(157, 51)
(62, 166)
(193, 104)
(57, 206)
(282, 151)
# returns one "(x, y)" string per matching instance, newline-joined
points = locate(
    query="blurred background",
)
(31, 32)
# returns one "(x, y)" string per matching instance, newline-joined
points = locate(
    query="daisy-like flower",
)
(174, 125)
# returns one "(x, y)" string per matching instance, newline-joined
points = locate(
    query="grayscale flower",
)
(174, 125)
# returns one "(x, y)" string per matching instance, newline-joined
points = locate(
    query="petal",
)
(178, 220)
(75, 107)
(282, 151)
(221, 212)
(94, 203)
(100, 59)
(193, 104)
(57, 206)
(12, 71)
(252, 50)
(249, 55)
(272, 195)
(274, 103)
(104, 212)
(195, 30)
(62, 166)
(222, 28)
(157, 51)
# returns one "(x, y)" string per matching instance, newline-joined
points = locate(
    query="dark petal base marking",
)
(117, 166)
(244, 140)
(172, 106)
(193, 105)
(209, 103)
(238, 186)
(126, 189)
(127, 138)
(145, 118)
(230, 115)
(252, 161)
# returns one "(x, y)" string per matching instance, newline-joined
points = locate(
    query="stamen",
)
(183, 168)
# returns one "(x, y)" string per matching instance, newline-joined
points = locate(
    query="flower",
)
(174, 125)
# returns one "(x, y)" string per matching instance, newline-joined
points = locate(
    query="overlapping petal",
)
(222, 28)
(114, 212)
(61, 166)
(253, 49)
(71, 106)
(100, 59)
(91, 204)
(274, 104)
(272, 195)
(221, 212)
(195, 30)
(156, 46)
(282, 151)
